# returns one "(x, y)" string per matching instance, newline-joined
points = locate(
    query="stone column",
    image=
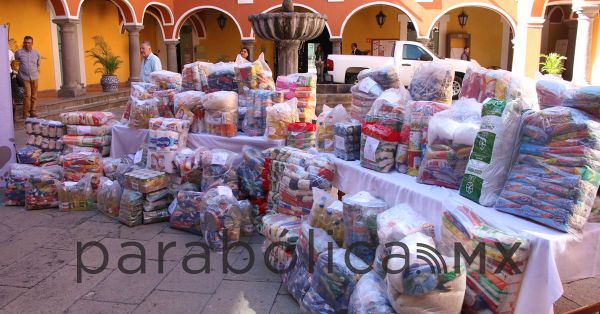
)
(71, 74)
(249, 44)
(581, 59)
(532, 46)
(443, 36)
(172, 54)
(287, 57)
(336, 45)
(134, 52)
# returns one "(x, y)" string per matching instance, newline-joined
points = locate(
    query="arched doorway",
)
(559, 34)
(153, 32)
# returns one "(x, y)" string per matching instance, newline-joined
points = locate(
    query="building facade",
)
(501, 34)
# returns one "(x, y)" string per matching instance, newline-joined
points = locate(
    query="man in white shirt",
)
(150, 62)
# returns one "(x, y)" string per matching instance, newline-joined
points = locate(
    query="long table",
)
(126, 140)
(555, 258)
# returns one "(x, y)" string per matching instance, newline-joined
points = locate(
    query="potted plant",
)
(108, 64)
(553, 64)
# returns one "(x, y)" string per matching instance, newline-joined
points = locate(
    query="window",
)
(412, 52)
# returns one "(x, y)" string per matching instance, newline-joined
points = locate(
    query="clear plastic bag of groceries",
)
(166, 79)
(386, 76)
(219, 168)
(552, 90)
(279, 116)
(363, 95)
(221, 77)
(301, 135)
(187, 212)
(77, 196)
(195, 76)
(432, 81)
(378, 146)
(131, 208)
(327, 213)
(17, 182)
(360, 223)
(222, 217)
(142, 111)
(221, 113)
(370, 296)
(189, 163)
(109, 198)
(250, 173)
(325, 124)
(389, 108)
(41, 190)
(257, 102)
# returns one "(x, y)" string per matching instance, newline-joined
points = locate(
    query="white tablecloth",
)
(126, 140)
(556, 257)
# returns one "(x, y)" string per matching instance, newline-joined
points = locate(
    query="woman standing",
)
(466, 55)
(245, 54)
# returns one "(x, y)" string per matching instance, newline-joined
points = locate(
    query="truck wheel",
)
(456, 84)
(351, 78)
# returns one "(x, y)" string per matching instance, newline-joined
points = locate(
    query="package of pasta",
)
(279, 116)
(432, 81)
(142, 111)
(363, 95)
(221, 116)
(189, 163)
(41, 191)
(325, 123)
(17, 182)
(497, 289)
(493, 152)
(131, 208)
(221, 77)
(450, 137)
(195, 76)
(370, 295)
(187, 212)
(585, 98)
(301, 135)
(29, 155)
(552, 90)
(222, 218)
(555, 178)
(87, 140)
(78, 164)
(77, 196)
(419, 285)
(166, 80)
(389, 108)
(145, 180)
(333, 280)
(360, 223)
(165, 104)
(219, 169)
(94, 118)
(257, 102)
(109, 198)
(346, 138)
(327, 213)
(377, 147)
(413, 136)
(281, 228)
(386, 76)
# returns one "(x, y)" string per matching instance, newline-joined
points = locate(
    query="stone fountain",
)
(288, 29)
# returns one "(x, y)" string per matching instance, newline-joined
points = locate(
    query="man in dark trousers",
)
(355, 50)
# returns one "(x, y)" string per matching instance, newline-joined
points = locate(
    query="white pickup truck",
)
(407, 55)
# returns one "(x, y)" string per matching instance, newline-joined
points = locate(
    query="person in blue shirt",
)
(150, 62)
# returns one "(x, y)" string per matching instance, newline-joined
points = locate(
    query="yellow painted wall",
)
(595, 53)
(100, 17)
(363, 25)
(32, 18)
(266, 46)
(219, 45)
(532, 57)
(152, 33)
(485, 28)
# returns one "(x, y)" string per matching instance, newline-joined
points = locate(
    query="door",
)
(412, 56)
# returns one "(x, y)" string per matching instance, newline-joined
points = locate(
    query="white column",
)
(443, 34)
(505, 44)
(581, 59)
(403, 19)
(520, 39)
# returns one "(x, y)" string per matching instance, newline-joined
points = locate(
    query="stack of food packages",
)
(378, 145)
(221, 113)
(195, 76)
(363, 95)
(31, 186)
(221, 217)
(555, 179)
(253, 180)
(303, 87)
(493, 151)
(489, 289)
(387, 76)
(221, 77)
(188, 163)
(43, 138)
(301, 135)
(413, 136)
(256, 103)
(279, 116)
(145, 198)
(480, 84)
(80, 195)
(165, 137)
(418, 285)
(219, 169)
(586, 98)
(166, 80)
(253, 75)
(139, 91)
(450, 137)
(109, 197)
(325, 125)
(88, 131)
(78, 164)
(432, 81)
(346, 137)
(360, 223)
(552, 90)
(188, 106)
